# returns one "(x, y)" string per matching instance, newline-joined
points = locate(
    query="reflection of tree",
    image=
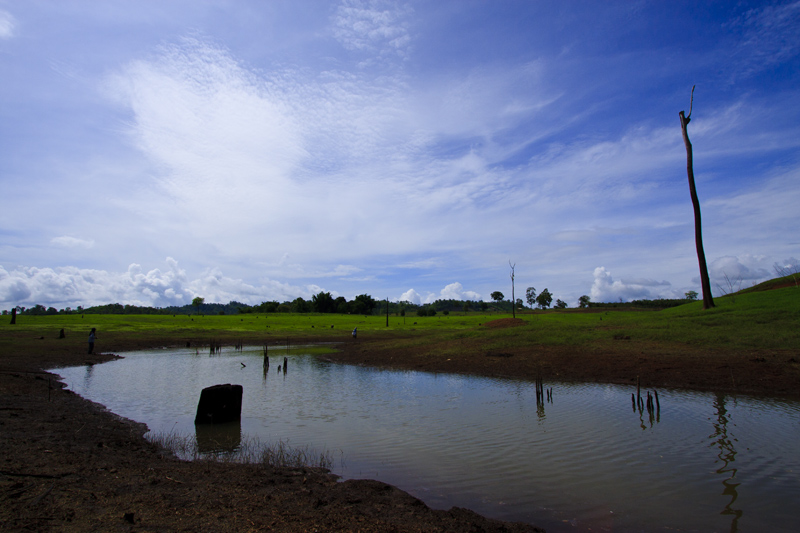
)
(653, 410)
(87, 378)
(540, 411)
(727, 455)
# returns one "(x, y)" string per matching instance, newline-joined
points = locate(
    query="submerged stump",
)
(219, 404)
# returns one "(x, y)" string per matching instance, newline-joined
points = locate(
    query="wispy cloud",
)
(7, 24)
(392, 150)
(72, 242)
(768, 36)
(378, 27)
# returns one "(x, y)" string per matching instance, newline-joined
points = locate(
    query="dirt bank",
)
(69, 465)
(617, 360)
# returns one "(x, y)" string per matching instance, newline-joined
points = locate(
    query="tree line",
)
(363, 304)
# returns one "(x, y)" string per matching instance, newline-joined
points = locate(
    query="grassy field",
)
(766, 320)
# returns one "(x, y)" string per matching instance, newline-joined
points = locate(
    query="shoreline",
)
(72, 465)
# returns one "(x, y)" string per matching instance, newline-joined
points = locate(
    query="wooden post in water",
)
(285, 364)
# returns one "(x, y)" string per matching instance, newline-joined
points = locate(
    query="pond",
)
(588, 460)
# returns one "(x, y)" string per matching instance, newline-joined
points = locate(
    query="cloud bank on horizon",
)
(154, 152)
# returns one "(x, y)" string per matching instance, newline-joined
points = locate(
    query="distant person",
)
(355, 332)
(92, 338)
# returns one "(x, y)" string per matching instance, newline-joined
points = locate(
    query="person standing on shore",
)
(92, 338)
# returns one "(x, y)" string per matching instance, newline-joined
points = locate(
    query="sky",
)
(155, 151)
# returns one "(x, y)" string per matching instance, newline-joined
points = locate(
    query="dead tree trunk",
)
(708, 301)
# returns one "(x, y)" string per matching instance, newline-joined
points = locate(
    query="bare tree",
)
(513, 301)
(790, 269)
(732, 286)
(708, 301)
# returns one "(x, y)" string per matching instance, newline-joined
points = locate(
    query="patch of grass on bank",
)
(249, 451)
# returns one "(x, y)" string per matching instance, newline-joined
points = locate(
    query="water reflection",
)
(218, 438)
(727, 455)
(582, 463)
(87, 379)
(653, 406)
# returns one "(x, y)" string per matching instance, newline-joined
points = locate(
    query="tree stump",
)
(219, 404)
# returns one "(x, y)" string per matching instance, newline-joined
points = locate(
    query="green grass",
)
(269, 324)
(750, 319)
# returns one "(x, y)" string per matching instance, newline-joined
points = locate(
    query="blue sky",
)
(152, 151)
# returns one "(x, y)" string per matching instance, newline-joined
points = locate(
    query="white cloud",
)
(71, 286)
(72, 242)
(455, 291)
(605, 289)
(7, 25)
(411, 296)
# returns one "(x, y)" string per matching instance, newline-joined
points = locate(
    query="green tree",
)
(323, 303)
(197, 302)
(299, 305)
(484, 306)
(691, 295)
(497, 296)
(363, 304)
(560, 304)
(530, 296)
(583, 301)
(544, 299)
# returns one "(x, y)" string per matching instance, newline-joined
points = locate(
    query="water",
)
(585, 462)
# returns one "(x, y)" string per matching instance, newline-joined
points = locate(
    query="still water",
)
(587, 461)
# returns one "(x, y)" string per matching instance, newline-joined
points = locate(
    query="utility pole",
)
(513, 300)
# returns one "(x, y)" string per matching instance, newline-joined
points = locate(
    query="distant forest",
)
(362, 304)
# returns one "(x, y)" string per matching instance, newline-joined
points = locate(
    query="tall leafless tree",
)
(708, 301)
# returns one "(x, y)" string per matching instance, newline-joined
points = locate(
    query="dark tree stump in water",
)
(219, 404)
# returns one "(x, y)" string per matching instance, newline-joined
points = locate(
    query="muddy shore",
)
(70, 465)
